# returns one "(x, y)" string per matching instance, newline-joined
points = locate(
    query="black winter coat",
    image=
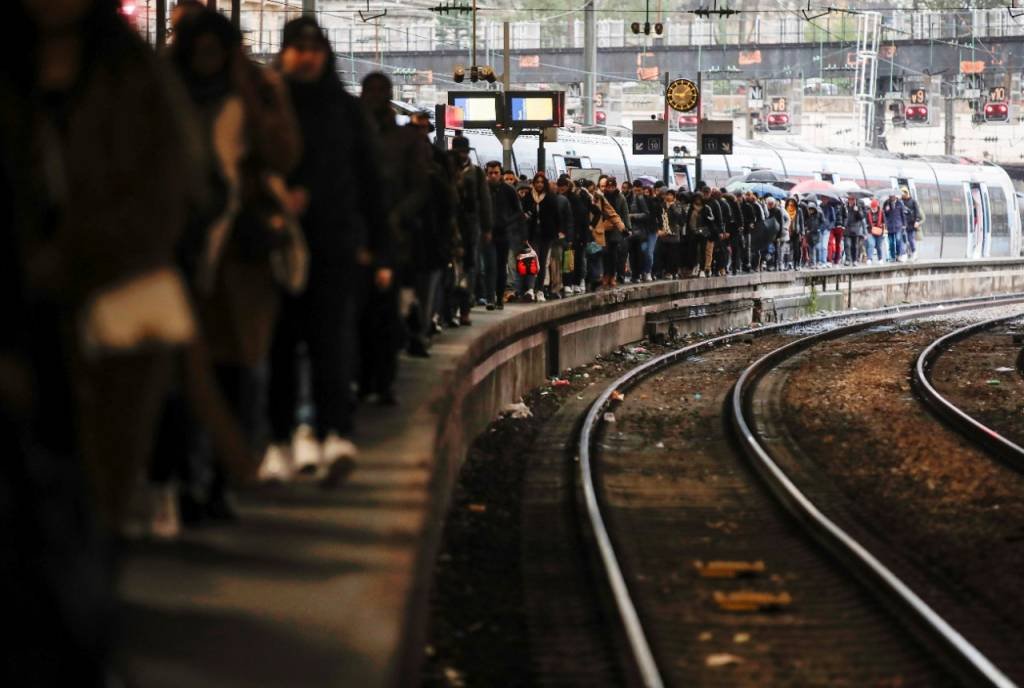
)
(339, 170)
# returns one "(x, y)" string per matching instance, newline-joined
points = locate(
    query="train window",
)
(928, 200)
(954, 218)
(1000, 213)
(828, 177)
(573, 162)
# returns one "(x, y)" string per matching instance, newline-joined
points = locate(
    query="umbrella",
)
(816, 186)
(885, 193)
(759, 188)
(645, 180)
(851, 189)
(764, 175)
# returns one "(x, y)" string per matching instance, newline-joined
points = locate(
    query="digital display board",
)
(532, 109)
(536, 108)
(480, 110)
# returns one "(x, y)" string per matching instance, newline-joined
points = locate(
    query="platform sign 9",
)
(918, 97)
(997, 94)
(779, 104)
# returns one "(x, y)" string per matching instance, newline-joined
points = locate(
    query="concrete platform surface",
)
(319, 588)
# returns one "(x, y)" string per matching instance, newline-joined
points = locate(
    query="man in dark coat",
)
(344, 227)
(506, 217)
(474, 219)
(580, 234)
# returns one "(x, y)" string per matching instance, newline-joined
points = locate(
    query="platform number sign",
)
(647, 144)
(918, 97)
(779, 104)
(997, 94)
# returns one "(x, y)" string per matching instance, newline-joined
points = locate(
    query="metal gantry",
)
(869, 29)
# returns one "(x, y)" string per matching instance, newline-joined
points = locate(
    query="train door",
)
(559, 162)
(830, 177)
(979, 220)
(900, 182)
(681, 175)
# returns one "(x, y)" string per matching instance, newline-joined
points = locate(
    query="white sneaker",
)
(568, 290)
(540, 298)
(277, 465)
(306, 451)
(339, 459)
(902, 258)
(164, 519)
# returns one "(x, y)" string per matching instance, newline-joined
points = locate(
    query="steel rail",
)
(1008, 451)
(639, 645)
(968, 659)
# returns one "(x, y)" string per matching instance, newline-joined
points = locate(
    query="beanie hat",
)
(303, 28)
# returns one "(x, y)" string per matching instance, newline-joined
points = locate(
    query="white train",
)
(971, 208)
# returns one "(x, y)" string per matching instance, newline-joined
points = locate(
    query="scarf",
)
(537, 198)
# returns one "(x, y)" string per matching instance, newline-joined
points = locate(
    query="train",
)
(971, 208)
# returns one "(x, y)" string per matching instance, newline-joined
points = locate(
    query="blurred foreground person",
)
(404, 156)
(96, 164)
(238, 257)
(332, 192)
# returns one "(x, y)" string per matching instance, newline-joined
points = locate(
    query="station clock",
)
(682, 95)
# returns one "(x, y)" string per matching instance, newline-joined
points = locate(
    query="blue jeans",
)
(898, 240)
(876, 245)
(911, 241)
(648, 253)
(821, 250)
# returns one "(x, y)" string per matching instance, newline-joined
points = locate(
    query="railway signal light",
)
(659, 28)
(916, 113)
(488, 75)
(600, 117)
(997, 112)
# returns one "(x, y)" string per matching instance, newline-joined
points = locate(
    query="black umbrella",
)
(767, 176)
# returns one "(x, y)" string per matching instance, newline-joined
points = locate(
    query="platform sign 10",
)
(779, 104)
(918, 96)
(997, 94)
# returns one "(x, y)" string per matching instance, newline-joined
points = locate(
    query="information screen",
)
(477, 109)
(532, 108)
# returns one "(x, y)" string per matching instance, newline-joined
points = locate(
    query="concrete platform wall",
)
(519, 353)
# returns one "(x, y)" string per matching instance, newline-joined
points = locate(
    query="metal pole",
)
(473, 63)
(948, 116)
(161, 23)
(212, 4)
(590, 62)
(540, 153)
(236, 11)
(700, 128)
(507, 138)
(666, 168)
(309, 8)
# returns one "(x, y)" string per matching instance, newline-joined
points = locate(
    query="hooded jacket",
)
(339, 170)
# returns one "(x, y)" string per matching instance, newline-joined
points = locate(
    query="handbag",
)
(877, 231)
(289, 256)
(568, 260)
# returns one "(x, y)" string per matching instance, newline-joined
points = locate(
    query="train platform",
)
(318, 587)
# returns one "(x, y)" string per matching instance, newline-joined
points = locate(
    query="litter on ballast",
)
(618, 396)
(559, 382)
(697, 395)
(517, 410)
(660, 445)
(722, 659)
(1004, 369)
(609, 417)
(993, 383)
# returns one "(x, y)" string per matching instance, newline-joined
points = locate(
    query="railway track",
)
(970, 426)
(806, 596)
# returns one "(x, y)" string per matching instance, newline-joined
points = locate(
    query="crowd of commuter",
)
(203, 252)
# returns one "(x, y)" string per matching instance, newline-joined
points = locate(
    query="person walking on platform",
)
(559, 244)
(874, 218)
(92, 205)
(914, 220)
(506, 216)
(854, 231)
(250, 132)
(672, 240)
(616, 249)
(474, 219)
(797, 244)
(542, 226)
(403, 153)
(342, 223)
(896, 224)
(579, 235)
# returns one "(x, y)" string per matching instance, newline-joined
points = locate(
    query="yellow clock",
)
(682, 95)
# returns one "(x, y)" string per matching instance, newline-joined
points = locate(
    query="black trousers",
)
(614, 257)
(381, 336)
(495, 260)
(322, 321)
